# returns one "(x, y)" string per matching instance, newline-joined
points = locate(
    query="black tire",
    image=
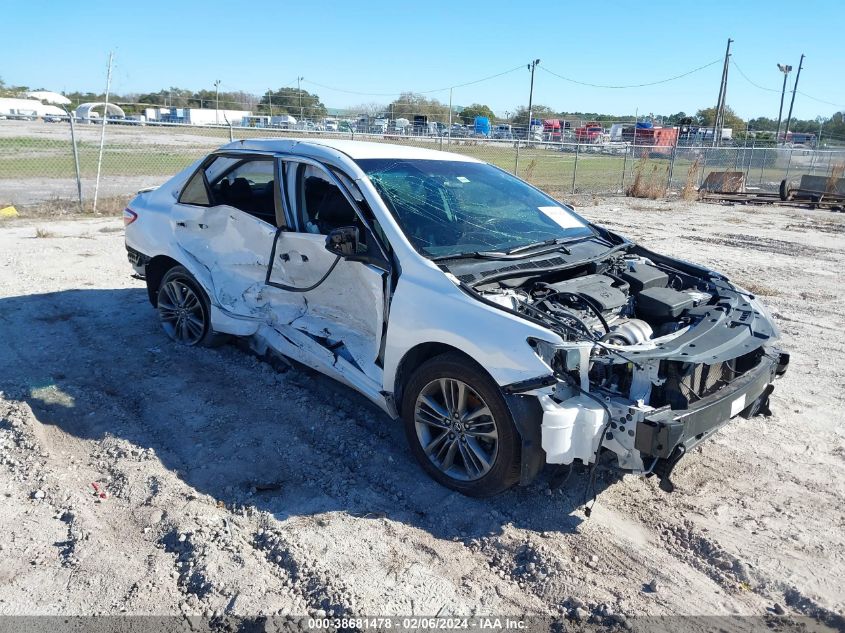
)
(197, 314)
(504, 466)
(783, 191)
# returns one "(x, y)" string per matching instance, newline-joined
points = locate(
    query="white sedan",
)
(505, 330)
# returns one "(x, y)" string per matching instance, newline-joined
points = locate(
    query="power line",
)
(835, 105)
(803, 94)
(643, 85)
(423, 92)
(756, 85)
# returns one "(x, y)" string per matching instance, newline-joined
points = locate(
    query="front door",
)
(343, 300)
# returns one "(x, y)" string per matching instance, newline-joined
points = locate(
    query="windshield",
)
(453, 207)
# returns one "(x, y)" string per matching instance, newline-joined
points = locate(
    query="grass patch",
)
(690, 190)
(57, 207)
(833, 180)
(42, 232)
(650, 181)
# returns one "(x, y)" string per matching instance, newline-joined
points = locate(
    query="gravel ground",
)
(139, 477)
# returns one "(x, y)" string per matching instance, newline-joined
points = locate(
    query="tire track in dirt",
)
(389, 495)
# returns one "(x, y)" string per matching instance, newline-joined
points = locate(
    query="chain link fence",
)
(37, 160)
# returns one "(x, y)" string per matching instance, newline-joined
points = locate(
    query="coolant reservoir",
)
(571, 429)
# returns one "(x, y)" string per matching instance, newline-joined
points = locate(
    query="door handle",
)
(285, 257)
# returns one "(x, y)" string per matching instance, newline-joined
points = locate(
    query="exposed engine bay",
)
(642, 333)
(631, 309)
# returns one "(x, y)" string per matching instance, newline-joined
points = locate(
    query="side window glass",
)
(321, 206)
(369, 216)
(221, 165)
(248, 185)
(195, 191)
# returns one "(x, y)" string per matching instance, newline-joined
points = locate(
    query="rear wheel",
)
(459, 427)
(184, 310)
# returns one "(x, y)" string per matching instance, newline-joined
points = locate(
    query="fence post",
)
(75, 157)
(516, 164)
(750, 160)
(575, 167)
(671, 168)
(703, 169)
(624, 169)
(788, 165)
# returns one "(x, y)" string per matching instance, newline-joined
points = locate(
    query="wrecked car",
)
(505, 330)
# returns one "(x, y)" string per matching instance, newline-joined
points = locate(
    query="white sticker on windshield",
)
(463, 179)
(562, 217)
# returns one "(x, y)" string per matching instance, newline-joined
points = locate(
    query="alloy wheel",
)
(456, 429)
(181, 312)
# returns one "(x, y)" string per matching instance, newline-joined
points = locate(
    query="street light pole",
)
(792, 102)
(217, 102)
(785, 69)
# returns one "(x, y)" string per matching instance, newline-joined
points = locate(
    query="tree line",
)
(301, 103)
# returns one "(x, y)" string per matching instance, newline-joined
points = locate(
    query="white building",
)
(196, 116)
(49, 97)
(26, 108)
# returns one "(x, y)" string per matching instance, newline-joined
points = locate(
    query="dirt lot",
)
(229, 487)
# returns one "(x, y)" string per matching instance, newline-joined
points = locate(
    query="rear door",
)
(226, 219)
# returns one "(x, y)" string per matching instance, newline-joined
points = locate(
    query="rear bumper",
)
(666, 434)
(139, 262)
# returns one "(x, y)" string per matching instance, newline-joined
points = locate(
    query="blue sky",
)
(384, 47)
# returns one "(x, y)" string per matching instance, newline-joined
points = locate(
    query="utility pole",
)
(449, 138)
(531, 67)
(270, 100)
(718, 121)
(299, 89)
(785, 69)
(792, 102)
(217, 102)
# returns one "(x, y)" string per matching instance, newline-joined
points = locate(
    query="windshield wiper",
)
(513, 253)
(470, 255)
(559, 241)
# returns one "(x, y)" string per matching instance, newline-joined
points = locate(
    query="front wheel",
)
(459, 427)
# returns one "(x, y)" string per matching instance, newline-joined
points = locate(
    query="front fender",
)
(426, 309)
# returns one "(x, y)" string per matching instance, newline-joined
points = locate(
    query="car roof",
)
(354, 149)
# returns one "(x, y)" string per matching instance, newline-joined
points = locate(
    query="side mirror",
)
(343, 241)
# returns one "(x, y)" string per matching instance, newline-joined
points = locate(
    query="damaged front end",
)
(657, 354)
